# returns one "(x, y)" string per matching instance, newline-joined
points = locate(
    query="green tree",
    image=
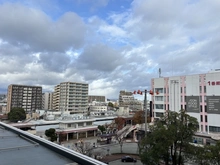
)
(214, 153)
(51, 133)
(168, 138)
(16, 114)
(101, 128)
(110, 104)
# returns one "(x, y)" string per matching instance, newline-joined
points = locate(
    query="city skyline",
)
(111, 45)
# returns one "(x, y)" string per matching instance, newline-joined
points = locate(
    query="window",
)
(206, 119)
(159, 114)
(200, 89)
(160, 90)
(204, 89)
(200, 108)
(201, 118)
(159, 106)
(164, 90)
(214, 129)
(158, 98)
(205, 108)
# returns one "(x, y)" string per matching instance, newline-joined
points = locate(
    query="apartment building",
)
(71, 96)
(198, 94)
(92, 98)
(25, 96)
(47, 101)
(126, 99)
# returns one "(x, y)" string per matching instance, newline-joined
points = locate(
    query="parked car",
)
(128, 159)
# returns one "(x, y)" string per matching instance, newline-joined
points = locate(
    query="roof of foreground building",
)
(20, 147)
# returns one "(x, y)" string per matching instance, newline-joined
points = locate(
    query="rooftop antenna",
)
(159, 72)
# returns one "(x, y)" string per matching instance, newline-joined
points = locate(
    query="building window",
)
(206, 119)
(159, 106)
(184, 89)
(205, 108)
(200, 108)
(201, 118)
(200, 89)
(158, 98)
(200, 98)
(204, 89)
(159, 114)
(214, 129)
(160, 90)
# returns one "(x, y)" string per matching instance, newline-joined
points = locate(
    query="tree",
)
(177, 130)
(120, 122)
(16, 114)
(85, 148)
(139, 117)
(213, 153)
(51, 133)
(101, 128)
(110, 104)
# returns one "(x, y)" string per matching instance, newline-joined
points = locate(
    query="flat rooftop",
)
(20, 147)
(15, 149)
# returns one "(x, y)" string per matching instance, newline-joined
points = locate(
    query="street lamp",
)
(145, 104)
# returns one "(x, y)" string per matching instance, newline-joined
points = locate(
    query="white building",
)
(198, 94)
(71, 96)
(47, 100)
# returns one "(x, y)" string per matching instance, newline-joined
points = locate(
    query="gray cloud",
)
(26, 26)
(123, 51)
(100, 58)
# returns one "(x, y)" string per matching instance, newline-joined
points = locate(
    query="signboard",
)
(192, 104)
(213, 104)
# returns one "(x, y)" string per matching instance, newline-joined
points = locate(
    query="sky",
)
(112, 45)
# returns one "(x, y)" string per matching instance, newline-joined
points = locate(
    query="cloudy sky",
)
(112, 45)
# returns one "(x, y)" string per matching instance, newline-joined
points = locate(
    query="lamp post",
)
(145, 105)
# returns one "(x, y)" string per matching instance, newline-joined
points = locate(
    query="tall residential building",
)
(126, 99)
(27, 97)
(71, 96)
(198, 94)
(96, 98)
(47, 101)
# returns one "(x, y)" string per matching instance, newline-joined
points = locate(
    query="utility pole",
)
(145, 105)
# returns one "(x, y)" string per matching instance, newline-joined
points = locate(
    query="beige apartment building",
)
(47, 101)
(24, 96)
(71, 96)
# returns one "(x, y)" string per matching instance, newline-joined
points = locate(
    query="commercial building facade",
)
(71, 96)
(198, 94)
(24, 96)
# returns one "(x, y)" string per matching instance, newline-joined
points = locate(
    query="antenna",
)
(159, 72)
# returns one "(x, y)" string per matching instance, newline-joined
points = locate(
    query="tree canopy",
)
(16, 114)
(110, 104)
(168, 138)
(51, 133)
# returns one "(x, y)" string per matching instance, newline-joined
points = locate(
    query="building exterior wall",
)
(92, 98)
(24, 96)
(127, 99)
(71, 96)
(198, 94)
(47, 101)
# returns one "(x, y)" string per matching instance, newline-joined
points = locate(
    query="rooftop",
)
(20, 147)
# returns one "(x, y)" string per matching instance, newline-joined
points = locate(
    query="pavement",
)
(111, 152)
